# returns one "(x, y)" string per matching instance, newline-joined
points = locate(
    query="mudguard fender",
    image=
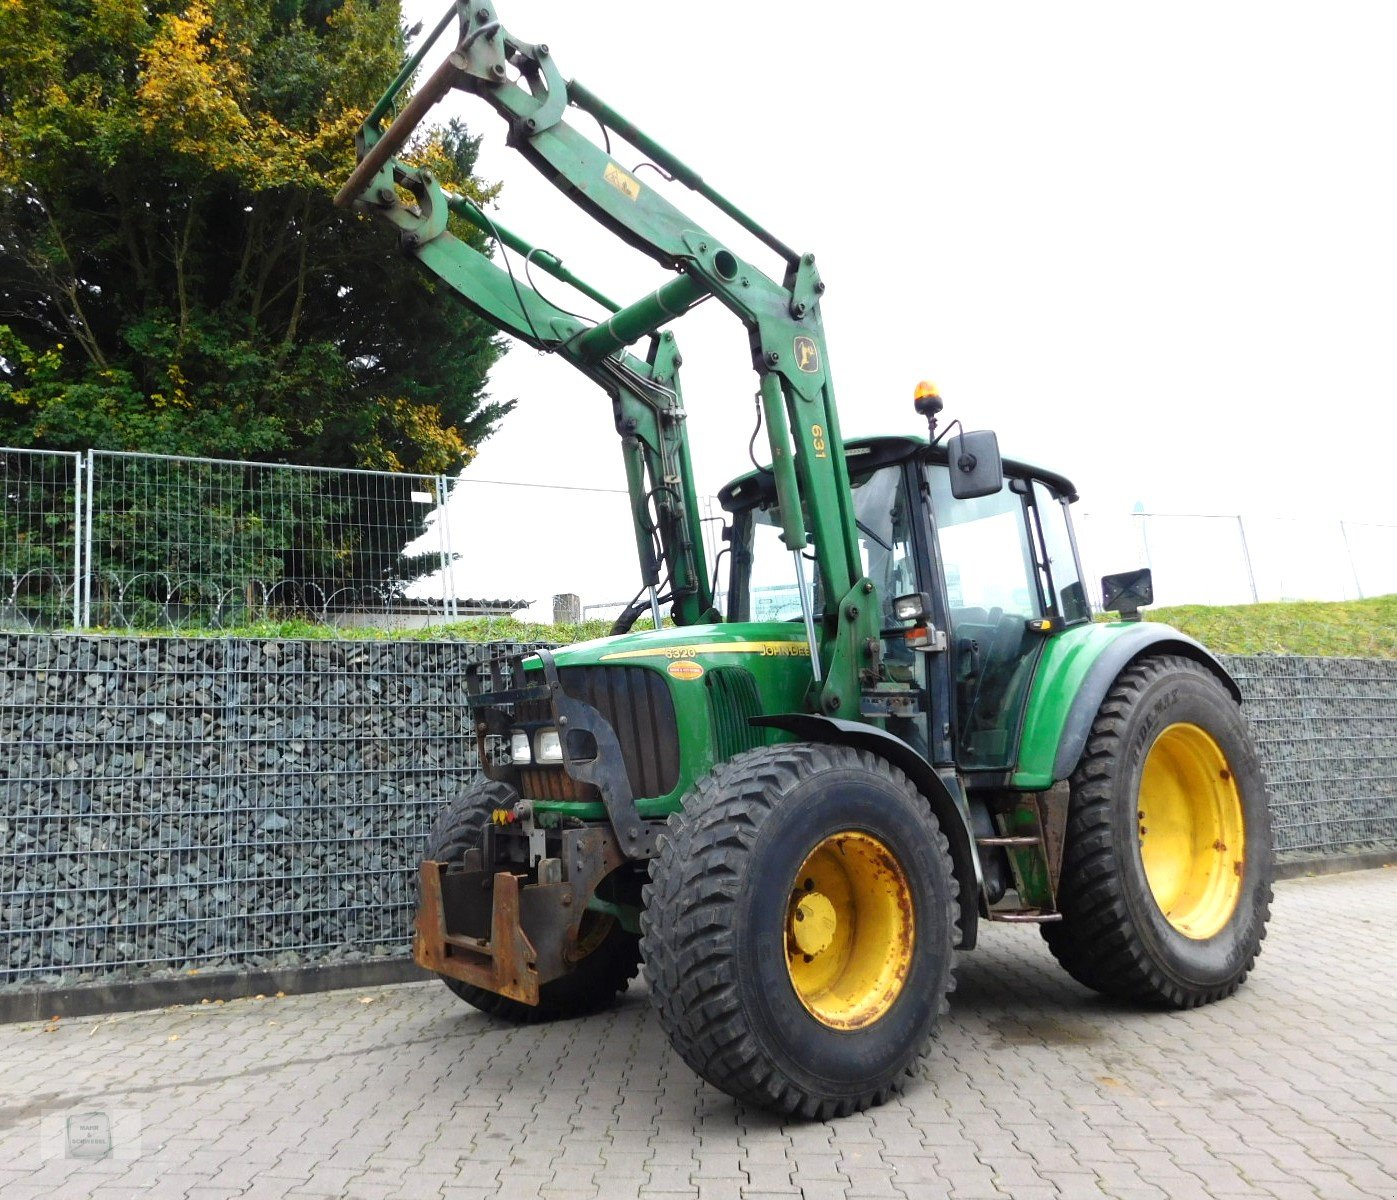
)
(1142, 639)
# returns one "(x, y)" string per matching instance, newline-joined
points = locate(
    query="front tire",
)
(799, 929)
(593, 984)
(1166, 877)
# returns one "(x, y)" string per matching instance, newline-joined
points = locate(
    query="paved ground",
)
(1034, 1089)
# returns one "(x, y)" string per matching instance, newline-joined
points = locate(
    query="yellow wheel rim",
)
(849, 930)
(1192, 838)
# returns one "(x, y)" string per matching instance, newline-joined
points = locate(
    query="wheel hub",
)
(813, 923)
(1191, 831)
(849, 930)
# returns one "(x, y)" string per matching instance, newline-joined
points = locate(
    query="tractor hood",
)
(772, 639)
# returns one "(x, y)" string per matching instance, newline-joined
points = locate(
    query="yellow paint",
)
(850, 931)
(769, 649)
(1192, 835)
(628, 185)
(814, 923)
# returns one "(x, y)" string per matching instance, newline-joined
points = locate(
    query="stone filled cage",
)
(169, 804)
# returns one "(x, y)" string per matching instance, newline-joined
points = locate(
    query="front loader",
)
(896, 720)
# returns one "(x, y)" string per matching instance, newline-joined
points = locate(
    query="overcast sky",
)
(1153, 247)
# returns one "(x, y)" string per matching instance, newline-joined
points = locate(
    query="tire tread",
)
(1096, 942)
(684, 929)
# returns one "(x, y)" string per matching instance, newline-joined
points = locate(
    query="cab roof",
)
(867, 454)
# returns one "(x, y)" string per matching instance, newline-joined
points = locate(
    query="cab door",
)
(989, 563)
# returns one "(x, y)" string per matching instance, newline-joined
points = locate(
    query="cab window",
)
(885, 547)
(992, 588)
(1064, 588)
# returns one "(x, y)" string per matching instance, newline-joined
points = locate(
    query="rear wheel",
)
(799, 928)
(594, 982)
(1166, 875)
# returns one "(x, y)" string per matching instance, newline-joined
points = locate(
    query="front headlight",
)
(519, 748)
(548, 748)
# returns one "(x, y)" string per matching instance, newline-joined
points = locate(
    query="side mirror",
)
(976, 469)
(1127, 593)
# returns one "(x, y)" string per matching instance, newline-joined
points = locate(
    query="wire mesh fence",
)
(1326, 729)
(137, 541)
(182, 803)
(1227, 558)
(40, 539)
(200, 543)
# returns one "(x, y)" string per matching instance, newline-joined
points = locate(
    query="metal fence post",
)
(1145, 537)
(1246, 558)
(1352, 566)
(448, 590)
(77, 537)
(87, 551)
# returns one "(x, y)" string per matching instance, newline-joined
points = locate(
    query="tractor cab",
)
(969, 588)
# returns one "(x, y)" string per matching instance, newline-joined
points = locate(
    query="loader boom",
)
(523, 84)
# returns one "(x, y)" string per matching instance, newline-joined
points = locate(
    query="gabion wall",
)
(1327, 731)
(169, 803)
(177, 803)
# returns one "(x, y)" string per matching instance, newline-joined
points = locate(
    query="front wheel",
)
(1167, 868)
(799, 929)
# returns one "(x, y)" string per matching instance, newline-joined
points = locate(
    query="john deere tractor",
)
(896, 720)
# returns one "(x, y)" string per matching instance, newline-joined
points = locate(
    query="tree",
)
(173, 275)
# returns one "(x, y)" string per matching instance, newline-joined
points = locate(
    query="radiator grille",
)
(554, 783)
(637, 704)
(732, 699)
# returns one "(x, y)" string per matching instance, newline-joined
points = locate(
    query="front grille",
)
(533, 712)
(637, 705)
(732, 699)
(554, 783)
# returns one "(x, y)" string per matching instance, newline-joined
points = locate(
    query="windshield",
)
(764, 575)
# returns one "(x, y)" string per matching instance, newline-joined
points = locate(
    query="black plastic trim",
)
(607, 772)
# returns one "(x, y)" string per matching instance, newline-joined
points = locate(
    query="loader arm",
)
(786, 338)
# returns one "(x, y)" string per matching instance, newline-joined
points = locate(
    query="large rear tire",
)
(799, 929)
(1167, 869)
(596, 980)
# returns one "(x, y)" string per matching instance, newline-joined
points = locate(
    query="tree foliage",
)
(173, 275)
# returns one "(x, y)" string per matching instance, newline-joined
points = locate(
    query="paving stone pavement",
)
(1035, 1089)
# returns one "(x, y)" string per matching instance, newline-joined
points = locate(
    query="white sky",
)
(1154, 248)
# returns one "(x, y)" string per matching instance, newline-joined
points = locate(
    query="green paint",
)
(783, 329)
(1066, 659)
(1029, 865)
(772, 651)
(627, 914)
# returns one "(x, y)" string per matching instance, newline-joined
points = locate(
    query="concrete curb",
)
(1299, 868)
(92, 999)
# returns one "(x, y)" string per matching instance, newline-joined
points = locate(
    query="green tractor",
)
(896, 720)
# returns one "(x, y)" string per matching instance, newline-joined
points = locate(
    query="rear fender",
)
(950, 812)
(1076, 671)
